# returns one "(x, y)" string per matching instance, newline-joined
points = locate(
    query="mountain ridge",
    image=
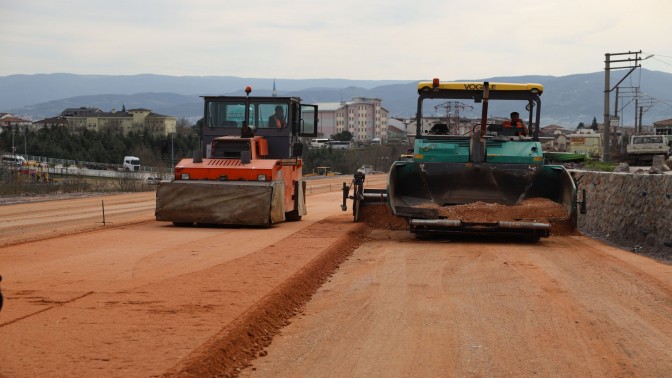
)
(567, 100)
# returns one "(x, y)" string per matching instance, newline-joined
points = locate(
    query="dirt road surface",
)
(135, 297)
(139, 298)
(565, 307)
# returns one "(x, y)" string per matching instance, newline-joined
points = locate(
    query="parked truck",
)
(131, 164)
(642, 148)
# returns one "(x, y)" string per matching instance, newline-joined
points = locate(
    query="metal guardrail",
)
(67, 164)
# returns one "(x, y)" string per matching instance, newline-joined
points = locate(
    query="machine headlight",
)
(261, 177)
(184, 176)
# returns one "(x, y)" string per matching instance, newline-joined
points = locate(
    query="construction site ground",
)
(133, 297)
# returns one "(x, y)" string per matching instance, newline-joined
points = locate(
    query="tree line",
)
(109, 147)
(347, 161)
(105, 146)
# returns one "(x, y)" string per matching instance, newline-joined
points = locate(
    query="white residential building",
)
(364, 117)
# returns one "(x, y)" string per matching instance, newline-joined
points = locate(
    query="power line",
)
(662, 61)
(656, 57)
(666, 102)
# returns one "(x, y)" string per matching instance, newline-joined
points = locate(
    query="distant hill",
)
(567, 100)
(21, 90)
(171, 104)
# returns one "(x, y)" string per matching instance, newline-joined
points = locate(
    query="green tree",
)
(593, 125)
(343, 136)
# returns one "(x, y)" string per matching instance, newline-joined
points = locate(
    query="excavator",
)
(249, 169)
(479, 181)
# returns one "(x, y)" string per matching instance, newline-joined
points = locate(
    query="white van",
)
(319, 143)
(10, 160)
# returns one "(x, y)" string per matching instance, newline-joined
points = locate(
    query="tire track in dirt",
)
(59, 303)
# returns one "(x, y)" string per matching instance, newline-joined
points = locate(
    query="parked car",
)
(153, 180)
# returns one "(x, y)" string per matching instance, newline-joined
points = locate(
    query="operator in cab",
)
(277, 119)
(517, 124)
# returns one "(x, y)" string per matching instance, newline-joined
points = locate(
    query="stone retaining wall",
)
(632, 210)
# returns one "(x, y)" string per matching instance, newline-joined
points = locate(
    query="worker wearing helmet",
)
(517, 124)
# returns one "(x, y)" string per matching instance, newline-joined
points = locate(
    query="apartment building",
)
(364, 117)
(50, 122)
(123, 121)
(9, 121)
(663, 127)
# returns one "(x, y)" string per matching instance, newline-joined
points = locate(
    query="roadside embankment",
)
(631, 210)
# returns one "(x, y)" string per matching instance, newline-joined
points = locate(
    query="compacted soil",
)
(567, 306)
(133, 297)
(136, 297)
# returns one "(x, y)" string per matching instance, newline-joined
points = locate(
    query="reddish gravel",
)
(379, 216)
(533, 208)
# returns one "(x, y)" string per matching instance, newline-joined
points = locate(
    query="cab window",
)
(227, 114)
(271, 115)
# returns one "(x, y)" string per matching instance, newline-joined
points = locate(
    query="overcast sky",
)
(348, 39)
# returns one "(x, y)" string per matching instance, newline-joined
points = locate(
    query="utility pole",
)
(641, 113)
(643, 109)
(632, 64)
(172, 149)
(637, 130)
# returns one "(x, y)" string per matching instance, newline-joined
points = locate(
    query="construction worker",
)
(277, 119)
(516, 123)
